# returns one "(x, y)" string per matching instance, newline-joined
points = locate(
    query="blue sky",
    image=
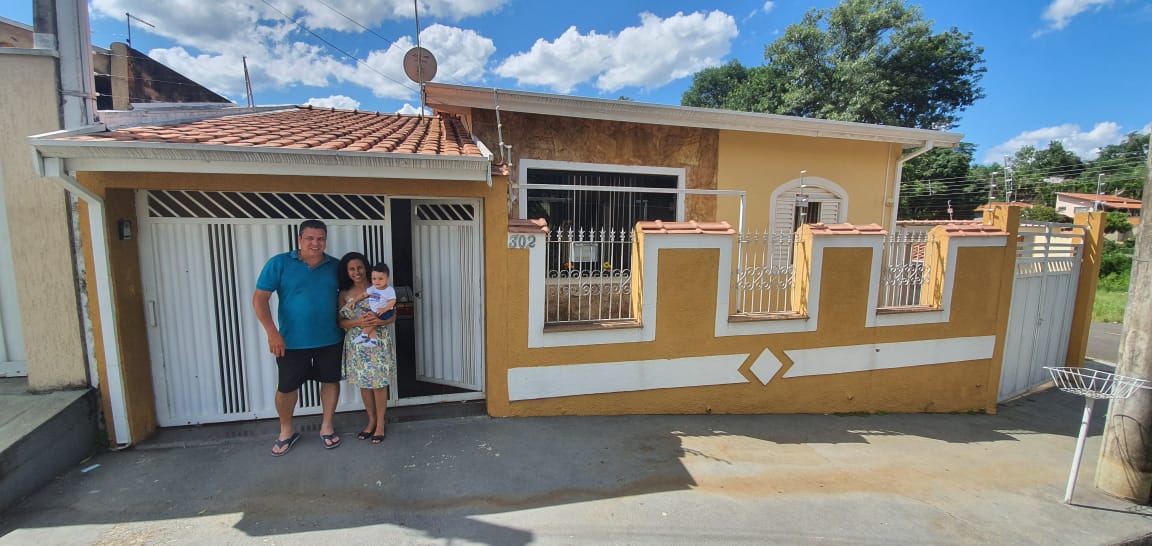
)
(1069, 70)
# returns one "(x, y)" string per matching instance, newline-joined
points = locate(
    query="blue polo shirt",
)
(307, 299)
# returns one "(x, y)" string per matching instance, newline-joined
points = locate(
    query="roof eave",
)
(658, 114)
(222, 159)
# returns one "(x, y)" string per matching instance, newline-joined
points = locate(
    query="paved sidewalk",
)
(786, 479)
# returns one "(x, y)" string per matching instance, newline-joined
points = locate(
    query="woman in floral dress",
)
(369, 368)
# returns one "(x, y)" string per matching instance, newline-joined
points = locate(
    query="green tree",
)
(939, 179)
(1043, 213)
(1117, 222)
(872, 61)
(712, 86)
(1123, 165)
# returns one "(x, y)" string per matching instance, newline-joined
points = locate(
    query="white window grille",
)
(765, 272)
(905, 269)
(589, 276)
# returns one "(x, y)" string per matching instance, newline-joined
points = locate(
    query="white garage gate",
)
(201, 253)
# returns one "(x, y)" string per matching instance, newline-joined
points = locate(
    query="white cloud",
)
(461, 54)
(193, 22)
(339, 102)
(409, 109)
(768, 6)
(212, 37)
(1060, 12)
(1146, 129)
(1085, 144)
(650, 55)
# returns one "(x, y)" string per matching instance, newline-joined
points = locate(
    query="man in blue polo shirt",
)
(309, 342)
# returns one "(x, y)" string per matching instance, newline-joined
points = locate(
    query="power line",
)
(333, 46)
(1113, 164)
(391, 43)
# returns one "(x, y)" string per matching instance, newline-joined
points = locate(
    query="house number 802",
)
(521, 241)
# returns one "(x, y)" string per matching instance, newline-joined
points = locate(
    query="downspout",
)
(928, 145)
(53, 168)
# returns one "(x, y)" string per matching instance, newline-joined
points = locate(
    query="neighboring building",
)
(123, 75)
(38, 220)
(1071, 203)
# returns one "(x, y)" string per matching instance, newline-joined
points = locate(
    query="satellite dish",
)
(420, 65)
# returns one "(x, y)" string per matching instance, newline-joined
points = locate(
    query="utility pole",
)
(1099, 189)
(1125, 467)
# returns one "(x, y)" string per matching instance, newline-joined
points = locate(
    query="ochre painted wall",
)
(580, 140)
(760, 163)
(38, 216)
(685, 304)
(132, 327)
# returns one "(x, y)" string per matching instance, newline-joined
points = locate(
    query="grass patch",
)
(1109, 306)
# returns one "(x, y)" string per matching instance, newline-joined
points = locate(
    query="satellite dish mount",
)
(419, 63)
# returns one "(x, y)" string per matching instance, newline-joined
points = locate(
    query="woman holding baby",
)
(369, 350)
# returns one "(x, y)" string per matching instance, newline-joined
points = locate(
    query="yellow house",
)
(638, 287)
(850, 172)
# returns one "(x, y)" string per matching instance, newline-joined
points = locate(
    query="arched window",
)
(820, 200)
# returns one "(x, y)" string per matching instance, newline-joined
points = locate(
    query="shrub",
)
(1115, 282)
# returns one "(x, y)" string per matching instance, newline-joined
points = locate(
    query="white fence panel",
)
(1043, 300)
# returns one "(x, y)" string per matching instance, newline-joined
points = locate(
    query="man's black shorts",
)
(299, 365)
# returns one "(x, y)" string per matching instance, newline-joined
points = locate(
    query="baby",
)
(381, 299)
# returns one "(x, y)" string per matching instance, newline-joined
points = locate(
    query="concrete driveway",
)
(772, 479)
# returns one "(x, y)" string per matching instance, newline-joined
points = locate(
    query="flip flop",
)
(331, 441)
(377, 439)
(364, 435)
(286, 445)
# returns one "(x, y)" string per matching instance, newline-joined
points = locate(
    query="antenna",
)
(130, 17)
(248, 83)
(802, 199)
(419, 63)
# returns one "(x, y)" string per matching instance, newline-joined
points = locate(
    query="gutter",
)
(54, 168)
(928, 146)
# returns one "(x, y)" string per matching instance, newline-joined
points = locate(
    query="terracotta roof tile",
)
(307, 127)
(847, 229)
(690, 227)
(538, 225)
(1111, 200)
(973, 230)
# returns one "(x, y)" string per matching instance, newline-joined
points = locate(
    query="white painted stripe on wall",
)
(882, 356)
(569, 380)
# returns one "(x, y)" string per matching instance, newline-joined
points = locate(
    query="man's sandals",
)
(284, 445)
(331, 441)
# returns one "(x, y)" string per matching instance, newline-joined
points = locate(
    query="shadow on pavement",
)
(439, 478)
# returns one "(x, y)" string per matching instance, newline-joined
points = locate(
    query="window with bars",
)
(589, 251)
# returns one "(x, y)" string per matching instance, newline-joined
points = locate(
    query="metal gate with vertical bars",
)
(201, 254)
(447, 282)
(1048, 259)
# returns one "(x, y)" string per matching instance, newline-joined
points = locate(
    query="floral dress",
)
(367, 367)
